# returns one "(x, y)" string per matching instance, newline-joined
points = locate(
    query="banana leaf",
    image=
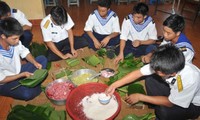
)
(148, 116)
(92, 60)
(101, 52)
(37, 49)
(32, 112)
(38, 76)
(72, 62)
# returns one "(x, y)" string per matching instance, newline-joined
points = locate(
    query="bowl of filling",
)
(81, 76)
(58, 90)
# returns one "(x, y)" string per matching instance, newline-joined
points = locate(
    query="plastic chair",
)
(73, 2)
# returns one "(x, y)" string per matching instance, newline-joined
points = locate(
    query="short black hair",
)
(10, 26)
(167, 59)
(4, 9)
(104, 3)
(175, 22)
(59, 15)
(141, 8)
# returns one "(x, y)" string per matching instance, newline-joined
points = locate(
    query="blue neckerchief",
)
(103, 21)
(7, 53)
(140, 27)
(183, 41)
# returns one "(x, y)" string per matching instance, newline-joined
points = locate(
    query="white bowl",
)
(104, 99)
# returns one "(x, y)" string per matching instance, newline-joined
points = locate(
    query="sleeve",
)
(23, 51)
(152, 31)
(116, 26)
(185, 97)
(89, 24)
(2, 75)
(147, 70)
(20, 16)
(125, 30)
(46, 33)
(189, 55)
(69, 23)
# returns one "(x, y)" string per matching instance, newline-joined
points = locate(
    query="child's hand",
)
(26, 74)
(145, 59)
(136, 43)
(119, 58)
(68, 55)
(97, 44)
(105, 41)
(110, 90)
(38, 65)
(133, 98)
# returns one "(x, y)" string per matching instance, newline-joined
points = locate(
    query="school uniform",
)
(184, 96)
(10, 64)
(131, 31)
(59, 36)
(184, 44)
(27, 36)
(102, 27)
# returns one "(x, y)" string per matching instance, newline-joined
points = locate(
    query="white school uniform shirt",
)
(103, 26)
(10, 61)
(55, 33)
(190, 76)
(20, 16)
(132, 31)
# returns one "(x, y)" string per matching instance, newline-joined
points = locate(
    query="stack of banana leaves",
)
(128, 65)
(32, 112)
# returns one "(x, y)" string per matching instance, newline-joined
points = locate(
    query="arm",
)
(26, 27)
(120, 57)
(15, 77)
(54, 49)
(137, 43)
(30, 58)
(71, 42)
(131, 77)
(96, 42)
(105, 41)
(156, 100)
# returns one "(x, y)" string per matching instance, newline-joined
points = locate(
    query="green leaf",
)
(72, 62)
(37, 77)
(135, 88)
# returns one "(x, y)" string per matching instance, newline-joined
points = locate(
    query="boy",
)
(11, 70)
(172, 32)
(102, 27)
(58, 36)
(5, 12)
(179, 98)
(138, 34)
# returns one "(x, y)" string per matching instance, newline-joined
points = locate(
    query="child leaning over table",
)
(179, 98)
(138, 33)
(172, 32)
(102, 27)
(11, 70)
